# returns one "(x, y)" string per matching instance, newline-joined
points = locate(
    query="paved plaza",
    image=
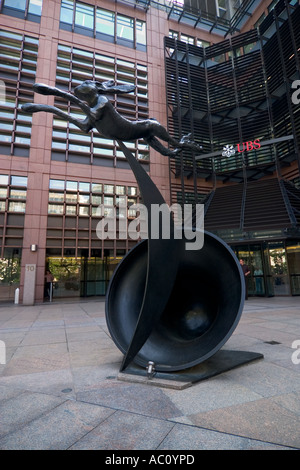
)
(59, 388)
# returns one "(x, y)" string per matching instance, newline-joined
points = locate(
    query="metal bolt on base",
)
(150, 369)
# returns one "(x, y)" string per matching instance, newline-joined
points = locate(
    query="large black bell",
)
(202, 312)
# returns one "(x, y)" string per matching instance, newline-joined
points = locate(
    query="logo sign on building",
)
(230, 150)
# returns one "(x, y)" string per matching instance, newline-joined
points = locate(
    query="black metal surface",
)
(201, 313)
(161, 268)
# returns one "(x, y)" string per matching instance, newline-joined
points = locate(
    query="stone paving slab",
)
(126, 431)
(58, 429)
(17, 411)
(263, 420)
(183, 438)
(59, 388)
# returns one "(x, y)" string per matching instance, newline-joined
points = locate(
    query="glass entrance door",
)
(278, 268)
(253, 258)
(293, 256)
(257, 272)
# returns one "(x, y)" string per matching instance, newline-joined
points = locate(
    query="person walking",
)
(246, 272)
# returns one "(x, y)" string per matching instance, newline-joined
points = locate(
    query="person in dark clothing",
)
(48, 281)
(246, 271)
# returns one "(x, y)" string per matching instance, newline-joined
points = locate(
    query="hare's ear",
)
(104, 87)
(108, 84)
(110, 87)
(124, 88)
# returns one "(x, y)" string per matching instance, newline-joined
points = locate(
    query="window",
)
(19, 181)
(96, 188)
(187, 39)
(84, 187)
(84, 15)
(4, 180)
(96, 200)
(18, 194)
(120, 190)
(35, 7)
(272, 5)
(71, 198)
(84, 210)
(222, 10)
(109, 189)
(105, 22)
(16, 4)
(55, 209)
(57, 184)
(201, 43)
(132, 191)
(71, 185)
(141, 40)
(66, 11)
(16, 207)
(70, 210)
(27, 9)
(3, 193)
(173, 34)
(56, 197)
(84, 198)
(125, 27)
(108, 201)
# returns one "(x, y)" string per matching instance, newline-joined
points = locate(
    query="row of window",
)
(13, 193)
(86, 211)
(237, 52)
(103, 24)
(188, 39)
(94, 188)
(84, 199)
(68, 197)
(18, 59)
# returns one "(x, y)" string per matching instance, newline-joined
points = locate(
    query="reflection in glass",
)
(57, 184)
(17, 4)
(55, 209)
(105, 22)
(35, 7)
(125, 27)
(84, 15)
(18, 193)
(278, 266)
(16, 207)
(19, 181)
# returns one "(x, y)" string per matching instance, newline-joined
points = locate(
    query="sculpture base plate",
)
(223, 361)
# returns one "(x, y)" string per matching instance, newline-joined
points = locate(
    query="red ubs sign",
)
(248, 146)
